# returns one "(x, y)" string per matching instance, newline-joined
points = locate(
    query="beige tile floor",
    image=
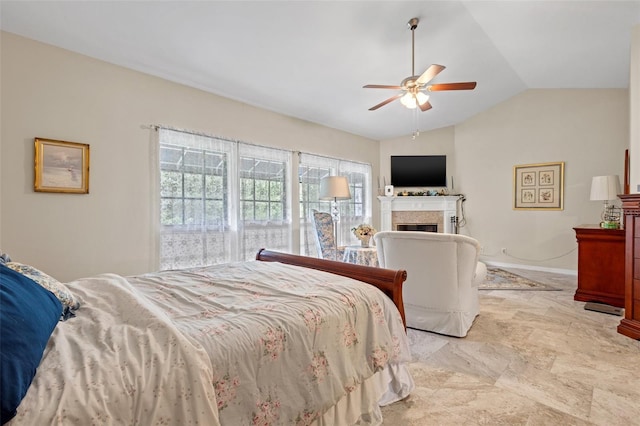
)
(530, 358)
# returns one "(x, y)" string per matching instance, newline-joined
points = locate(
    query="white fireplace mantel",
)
(446, 204)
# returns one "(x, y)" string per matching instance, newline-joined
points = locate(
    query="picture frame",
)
(538, 186)
(61, 166)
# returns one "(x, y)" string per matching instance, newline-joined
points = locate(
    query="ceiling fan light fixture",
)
(409, 100)
(421, 98)
(412, 86)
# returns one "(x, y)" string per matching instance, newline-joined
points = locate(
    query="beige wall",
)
(436, 142)
(52, 93)
(587, 129)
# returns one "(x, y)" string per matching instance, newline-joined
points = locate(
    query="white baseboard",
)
(531, 268)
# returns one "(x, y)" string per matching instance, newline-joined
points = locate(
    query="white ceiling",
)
(310, 59)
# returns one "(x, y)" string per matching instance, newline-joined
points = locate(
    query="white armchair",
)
(443, 273)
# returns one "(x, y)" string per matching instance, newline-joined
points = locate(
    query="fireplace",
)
(437, 213)
(421, 219)
(423, 227)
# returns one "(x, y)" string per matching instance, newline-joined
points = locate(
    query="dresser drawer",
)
(630, 324)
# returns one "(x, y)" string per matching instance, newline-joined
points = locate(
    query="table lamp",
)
(607, 188)
(335, 188)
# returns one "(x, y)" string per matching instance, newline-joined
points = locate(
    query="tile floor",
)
(530, 358)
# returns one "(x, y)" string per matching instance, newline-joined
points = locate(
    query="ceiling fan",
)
(413, 87)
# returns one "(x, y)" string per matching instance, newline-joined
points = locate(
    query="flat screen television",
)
(418, 170)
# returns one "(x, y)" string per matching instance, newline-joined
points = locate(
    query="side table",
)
(601, 256)
(359, 255)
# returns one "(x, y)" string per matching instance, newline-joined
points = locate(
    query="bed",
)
(284, 340)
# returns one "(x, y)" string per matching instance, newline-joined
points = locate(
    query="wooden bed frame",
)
(387, 280)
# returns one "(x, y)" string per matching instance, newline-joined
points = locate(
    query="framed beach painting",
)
(61, 166)
(538, 186)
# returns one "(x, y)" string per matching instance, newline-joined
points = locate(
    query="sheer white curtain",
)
(311, 170)
(358, 209)
(220, 200)
(196, 172)
(264, 219)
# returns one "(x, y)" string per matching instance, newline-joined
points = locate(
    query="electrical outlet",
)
(503, 250)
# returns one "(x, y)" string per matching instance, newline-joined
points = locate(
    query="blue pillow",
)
(28, 315)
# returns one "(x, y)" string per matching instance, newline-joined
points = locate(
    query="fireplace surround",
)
(423, 211)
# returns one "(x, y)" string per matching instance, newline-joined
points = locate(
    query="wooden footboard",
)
(387, 280)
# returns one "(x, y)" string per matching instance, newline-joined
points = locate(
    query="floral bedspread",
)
(215, 346)
(280, 363)
(118, 362)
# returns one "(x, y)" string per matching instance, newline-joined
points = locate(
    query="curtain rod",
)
(332, 158)
(157, 127)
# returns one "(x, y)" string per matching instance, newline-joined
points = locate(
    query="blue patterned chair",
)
(325, 240)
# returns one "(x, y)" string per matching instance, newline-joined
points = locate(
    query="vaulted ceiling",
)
(310, 59)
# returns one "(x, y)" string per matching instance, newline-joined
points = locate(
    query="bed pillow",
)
(28, 315)
(4, 258)
(69, 302)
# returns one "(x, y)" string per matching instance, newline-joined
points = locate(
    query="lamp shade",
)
(604, 188)
(409, 100)
(334, 188)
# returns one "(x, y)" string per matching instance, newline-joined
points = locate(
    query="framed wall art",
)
(61, 166)
(538, 186)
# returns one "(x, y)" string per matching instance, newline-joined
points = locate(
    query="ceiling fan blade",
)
(429, 74)
(381, 86)
(383, 103)
(425, 106)
(470, 85)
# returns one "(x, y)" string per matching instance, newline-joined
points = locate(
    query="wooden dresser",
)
(601, 265)
(630, 324)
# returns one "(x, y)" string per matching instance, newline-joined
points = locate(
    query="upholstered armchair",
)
(443, 273)
(325, 239)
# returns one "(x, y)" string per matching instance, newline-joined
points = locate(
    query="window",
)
(192, 186)
(265, 201)
(220, 201)
(311, 170)
(310, 177)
